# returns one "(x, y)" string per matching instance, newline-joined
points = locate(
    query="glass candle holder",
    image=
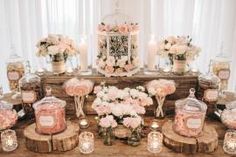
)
(86, 142)
(9, 140)
(230, 142)
(155, 142)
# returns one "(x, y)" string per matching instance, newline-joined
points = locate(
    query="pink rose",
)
(107, 122)
(81, 90)
(97, 89)
(112, 94)
(109, 69)
(128, 67)
(123, 28)
(101, 27)
(103, 110)
(107, 28)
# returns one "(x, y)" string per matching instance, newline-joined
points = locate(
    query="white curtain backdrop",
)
(210, 23)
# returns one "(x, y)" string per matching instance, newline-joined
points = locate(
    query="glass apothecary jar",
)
(50, 114)
(15, 70)
(228, 116)
(209, 90)
(31, 90)
(220, 66)
(9, 140)
(118, 51)
(8, 116)
(189, 116)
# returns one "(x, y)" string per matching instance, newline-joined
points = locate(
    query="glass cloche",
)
(50, 114)
(15, 70)
(31, 90)
(117, 48)
(189, 116)
(8, 116)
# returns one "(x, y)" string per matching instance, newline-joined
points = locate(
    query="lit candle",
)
(154, 125)
(83, 123)
(9, 140)
(230, 142)
(86, 142)
(154, 142)
(83, 50)
(152, 53)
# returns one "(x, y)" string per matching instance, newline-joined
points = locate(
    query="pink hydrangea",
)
(107, 122)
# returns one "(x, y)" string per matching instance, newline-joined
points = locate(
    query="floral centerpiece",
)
(118, 49)
(58, 48)
(180, 51)
(121, 104)
(79, 89)
(160, 89)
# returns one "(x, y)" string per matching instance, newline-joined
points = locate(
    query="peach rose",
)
(123, 28)
(109, 69)
(128, 67)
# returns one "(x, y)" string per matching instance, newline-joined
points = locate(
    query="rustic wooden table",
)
(118, 149)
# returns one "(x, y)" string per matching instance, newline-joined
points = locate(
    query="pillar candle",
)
(83, 50)
(152, 51)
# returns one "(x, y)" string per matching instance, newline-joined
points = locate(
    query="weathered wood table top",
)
(118, 149)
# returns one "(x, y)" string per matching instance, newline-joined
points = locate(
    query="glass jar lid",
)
(49, 100)
(29, 77)
(5, 105)
(191, 104)
(208, 79)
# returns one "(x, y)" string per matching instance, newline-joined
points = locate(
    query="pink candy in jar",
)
(189, 116)
(50, 115)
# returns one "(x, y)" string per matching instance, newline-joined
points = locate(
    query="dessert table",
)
(118, 149)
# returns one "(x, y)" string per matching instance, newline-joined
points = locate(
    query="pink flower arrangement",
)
(161, 87)
(121, 28)
(75, 87)
(132, 122)
(107, 122)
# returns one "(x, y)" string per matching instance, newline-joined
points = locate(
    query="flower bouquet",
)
(121, 104)
(160, 89)
(118, 49)
(58, 48)
(79, 89)
(180, 51)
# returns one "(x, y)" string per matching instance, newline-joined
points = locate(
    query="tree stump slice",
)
(36, 142)
(205, 143)
(67, 140)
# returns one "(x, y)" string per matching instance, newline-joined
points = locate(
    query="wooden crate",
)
(183, 84)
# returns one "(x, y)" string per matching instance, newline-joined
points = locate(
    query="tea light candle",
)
(154, 142)
(9, 140)
(86, 142)
(154, 125)
(152, 53)
(83, 50)
(230, 142)
(83, 123)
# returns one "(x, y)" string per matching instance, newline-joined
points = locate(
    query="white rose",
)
(134, 93)
(168, 46)
(53, 50)
(152, 91)
(181, 49)
(97, 101)
(110, 61)
(117, 111)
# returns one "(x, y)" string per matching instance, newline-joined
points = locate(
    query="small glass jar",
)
(15, 70)
(8, 116)
(220, 66)
(154, 144)
(31, 90)
(86, 142)
(229, 145)
(189, 116)
(9, 140)
(228, 117)
(209, 90)
(50, 114)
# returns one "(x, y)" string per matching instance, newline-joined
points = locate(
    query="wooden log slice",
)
(36, 142)
(205, 143)
(67, 140)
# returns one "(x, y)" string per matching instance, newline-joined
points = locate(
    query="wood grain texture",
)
(205, 143)
(61, 142)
